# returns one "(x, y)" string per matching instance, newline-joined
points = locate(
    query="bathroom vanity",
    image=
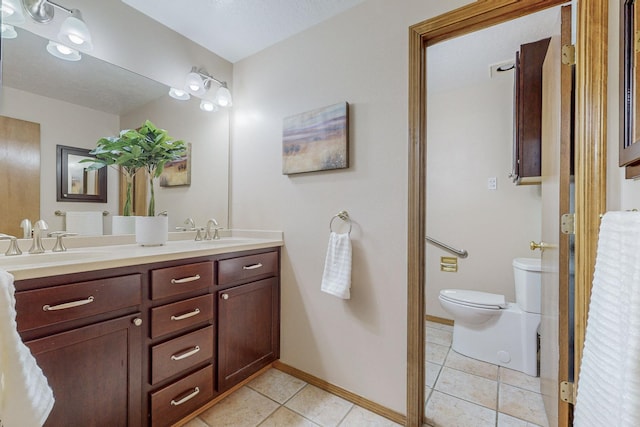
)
(146, 336)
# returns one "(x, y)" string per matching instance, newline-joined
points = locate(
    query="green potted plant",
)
(156, 148)
(124, 154)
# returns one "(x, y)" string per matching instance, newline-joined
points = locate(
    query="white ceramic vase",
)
(123, 224)
(152, 230)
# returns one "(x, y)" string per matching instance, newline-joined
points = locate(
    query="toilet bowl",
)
(488, 328)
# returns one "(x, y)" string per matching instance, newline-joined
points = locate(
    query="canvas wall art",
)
(177, 172)
(316, 140)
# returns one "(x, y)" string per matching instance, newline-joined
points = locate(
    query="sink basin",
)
(17, 261)
(229, 241)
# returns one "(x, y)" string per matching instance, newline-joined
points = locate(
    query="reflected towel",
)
(25, 396)
(336, 279)
(609, 382)
(84, 223)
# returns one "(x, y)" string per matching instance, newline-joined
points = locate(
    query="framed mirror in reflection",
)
(74, 182)
(629, 156)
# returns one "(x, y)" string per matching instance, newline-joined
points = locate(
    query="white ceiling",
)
(466, 60)
(235, 29)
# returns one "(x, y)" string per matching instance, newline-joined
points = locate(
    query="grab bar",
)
(460, 252)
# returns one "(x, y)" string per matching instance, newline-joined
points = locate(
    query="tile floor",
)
(276, 399)
(460, 392)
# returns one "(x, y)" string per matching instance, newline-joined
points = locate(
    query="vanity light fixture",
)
(63, 52)
(179, 94)
(73, 30)
(198, 82)
(8, 32)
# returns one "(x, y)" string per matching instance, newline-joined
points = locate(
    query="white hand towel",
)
(84, 223)
(609, 381)
(336, 279)
(25, 396)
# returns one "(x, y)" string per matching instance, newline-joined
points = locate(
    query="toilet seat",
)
(477, 299)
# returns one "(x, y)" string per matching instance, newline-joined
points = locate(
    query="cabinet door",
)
(95, 373)
(248, 334)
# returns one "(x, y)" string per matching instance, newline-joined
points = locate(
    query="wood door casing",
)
(19, 174)
(590, 158)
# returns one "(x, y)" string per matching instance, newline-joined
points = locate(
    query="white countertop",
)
(97, 253)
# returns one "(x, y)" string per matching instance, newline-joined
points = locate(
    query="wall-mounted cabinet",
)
(528, 112)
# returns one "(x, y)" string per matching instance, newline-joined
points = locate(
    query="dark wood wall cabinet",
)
(527, 141)
(149, 345)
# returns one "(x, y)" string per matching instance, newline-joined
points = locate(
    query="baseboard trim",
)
(437, 319)
(340, 392)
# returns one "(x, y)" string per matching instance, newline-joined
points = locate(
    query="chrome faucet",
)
(26, 228)
(212, 223)
(38, 228)
(190, 223)
(13, 248)
(59, 246)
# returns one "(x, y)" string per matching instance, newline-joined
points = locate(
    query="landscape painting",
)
(316, 140)
(177, 172)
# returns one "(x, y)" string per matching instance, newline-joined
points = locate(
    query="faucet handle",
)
(199, 231)
(59, 246)
(13, 248)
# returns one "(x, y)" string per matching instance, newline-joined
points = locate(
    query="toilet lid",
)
(475, 298)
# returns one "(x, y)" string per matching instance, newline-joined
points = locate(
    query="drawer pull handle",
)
(67, 305)
(185, 280)
(252, 266)
(185, 399)
(186, 354)
(186, 315)
(224, 296)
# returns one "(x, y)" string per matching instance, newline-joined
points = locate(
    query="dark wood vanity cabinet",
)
(248, 316)
(87, 347)
(148, 345)
(527, 144)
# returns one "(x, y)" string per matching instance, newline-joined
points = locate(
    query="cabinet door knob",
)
(224, 296)
(137, 321)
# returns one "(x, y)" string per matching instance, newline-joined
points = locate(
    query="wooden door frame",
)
(590, 158)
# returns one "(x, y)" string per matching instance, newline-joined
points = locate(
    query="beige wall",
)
(53, 116)
(208, 134)
(359, 57)
(469, 139)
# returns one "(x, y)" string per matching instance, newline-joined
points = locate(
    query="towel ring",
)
(343, 215)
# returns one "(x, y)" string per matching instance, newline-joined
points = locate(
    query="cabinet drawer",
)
(181, 353)
(48, 306)
(179, 315)
(247, 268)
(179, 399)
(166, 282)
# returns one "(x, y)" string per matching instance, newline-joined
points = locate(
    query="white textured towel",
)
(336, 279)
(25, 396)
(609, 381)
(84, 223)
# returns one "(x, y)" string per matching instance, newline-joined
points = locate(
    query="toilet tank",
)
(527, 278)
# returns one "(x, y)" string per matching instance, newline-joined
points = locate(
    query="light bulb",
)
(179, 94)
(208, 106)
(11, 12)
(195, 84)
(63, 52)
(75, 31)
(223, 97)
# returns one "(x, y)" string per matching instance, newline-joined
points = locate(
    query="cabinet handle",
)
(252, 266)
(224, 296)
(66, 305)
(137, 321)
(188, 397)
(185, 279)
(186, 315)
(185, 354)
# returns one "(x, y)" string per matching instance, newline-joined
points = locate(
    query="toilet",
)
(488, 328)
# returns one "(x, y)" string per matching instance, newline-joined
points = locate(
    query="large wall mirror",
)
(77, 103)
(630, 126)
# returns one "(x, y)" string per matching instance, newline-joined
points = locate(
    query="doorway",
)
(591, 47)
